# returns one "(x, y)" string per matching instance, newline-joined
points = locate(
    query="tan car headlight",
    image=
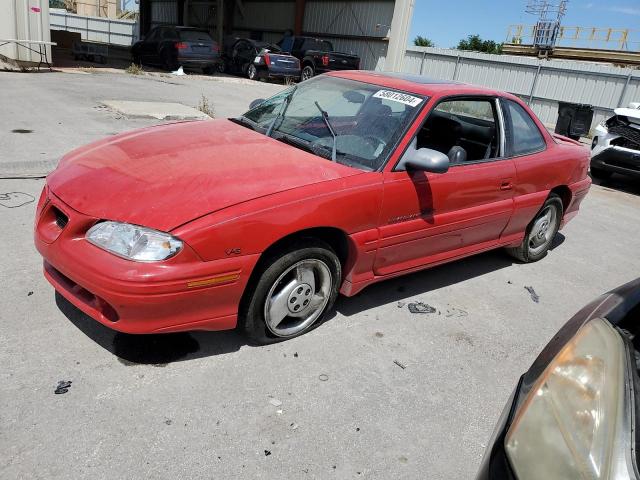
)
(573, 422)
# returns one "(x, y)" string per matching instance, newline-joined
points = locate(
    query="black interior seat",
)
(376, 120)
(457, 154)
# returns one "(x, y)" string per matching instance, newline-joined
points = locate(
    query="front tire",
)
(540, 232)
(294, 291)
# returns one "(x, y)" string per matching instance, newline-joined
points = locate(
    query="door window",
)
(466, 130)
(523, 135)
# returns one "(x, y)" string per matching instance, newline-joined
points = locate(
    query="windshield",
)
(368, 120)
(194, 36)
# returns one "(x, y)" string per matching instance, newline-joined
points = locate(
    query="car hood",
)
(631, 113)
(165, 176)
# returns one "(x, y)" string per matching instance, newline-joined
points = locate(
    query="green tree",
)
(476, 44)
(421, 41)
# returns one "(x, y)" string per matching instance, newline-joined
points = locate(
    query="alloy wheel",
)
(298, 297)
(543, 230)
(307, 73)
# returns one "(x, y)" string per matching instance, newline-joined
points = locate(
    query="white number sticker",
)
(398, 97)
(256, 60)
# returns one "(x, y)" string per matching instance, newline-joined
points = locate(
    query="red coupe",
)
(260, 221)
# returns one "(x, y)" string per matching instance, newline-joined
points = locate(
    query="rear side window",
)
(195, 36)
(523, 135)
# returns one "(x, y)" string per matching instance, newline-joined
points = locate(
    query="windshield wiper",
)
(242, 120)
(296, 143)
(283, 109)
(325, 117)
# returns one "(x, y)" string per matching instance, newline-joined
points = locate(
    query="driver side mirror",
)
(425, 160)
(255, 103)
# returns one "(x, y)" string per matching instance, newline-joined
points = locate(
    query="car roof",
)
(419, 84)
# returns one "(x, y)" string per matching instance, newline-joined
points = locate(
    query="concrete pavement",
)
(330, 404)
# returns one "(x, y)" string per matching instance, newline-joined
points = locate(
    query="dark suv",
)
(317, 56)
(169, 47)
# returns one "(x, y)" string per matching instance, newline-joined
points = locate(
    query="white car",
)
(616, 144)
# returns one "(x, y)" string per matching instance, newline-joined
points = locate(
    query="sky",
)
(446, 22)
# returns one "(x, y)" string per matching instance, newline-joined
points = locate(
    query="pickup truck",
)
(317, 56)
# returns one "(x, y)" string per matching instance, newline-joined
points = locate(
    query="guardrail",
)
(96, 29)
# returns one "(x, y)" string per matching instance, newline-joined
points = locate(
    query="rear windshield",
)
(195, 36)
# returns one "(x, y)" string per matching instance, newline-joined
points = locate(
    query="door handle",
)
(506, 185)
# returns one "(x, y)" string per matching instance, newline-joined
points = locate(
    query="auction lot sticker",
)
(398, 97)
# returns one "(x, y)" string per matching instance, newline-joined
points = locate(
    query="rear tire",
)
(292, 294)
(540, 232)
(168, 62)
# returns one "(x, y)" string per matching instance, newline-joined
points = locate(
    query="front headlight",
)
(133, 242)
(572, 423)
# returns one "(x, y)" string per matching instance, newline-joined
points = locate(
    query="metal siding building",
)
(353, 26)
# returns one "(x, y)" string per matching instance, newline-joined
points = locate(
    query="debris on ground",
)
(455, 312)
(534, 296)
(29, 294)
(401, 365)
(63, 387)
(15, 199)
(295, 355)
(379, 334)
(168, 421)
(294, 426)
(275, 402)
(509, 282)
(323, 377)
(179, 71)
(267, 453)
(420, 307)
(401, 304)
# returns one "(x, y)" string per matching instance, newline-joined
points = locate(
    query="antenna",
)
(549, 17)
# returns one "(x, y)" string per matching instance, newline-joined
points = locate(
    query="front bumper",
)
(615, 307)
(618, 160)
(178, 294)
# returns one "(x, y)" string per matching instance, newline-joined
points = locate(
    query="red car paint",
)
(229, 193)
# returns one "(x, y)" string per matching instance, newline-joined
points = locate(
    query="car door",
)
(526, 145)
(427, 218)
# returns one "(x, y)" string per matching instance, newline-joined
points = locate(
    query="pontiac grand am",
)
(259, 221)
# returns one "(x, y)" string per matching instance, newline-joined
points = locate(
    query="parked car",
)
(616, 144)
(257, 60)
(334, 184)
(318, 56)
(170, 47)
(573, 414)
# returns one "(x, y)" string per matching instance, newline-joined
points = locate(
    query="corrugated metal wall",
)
(24, 20)
(351, 19)
(273, 16)
(164, 12)
(370, 18)
(96, 29)
(542, 83)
